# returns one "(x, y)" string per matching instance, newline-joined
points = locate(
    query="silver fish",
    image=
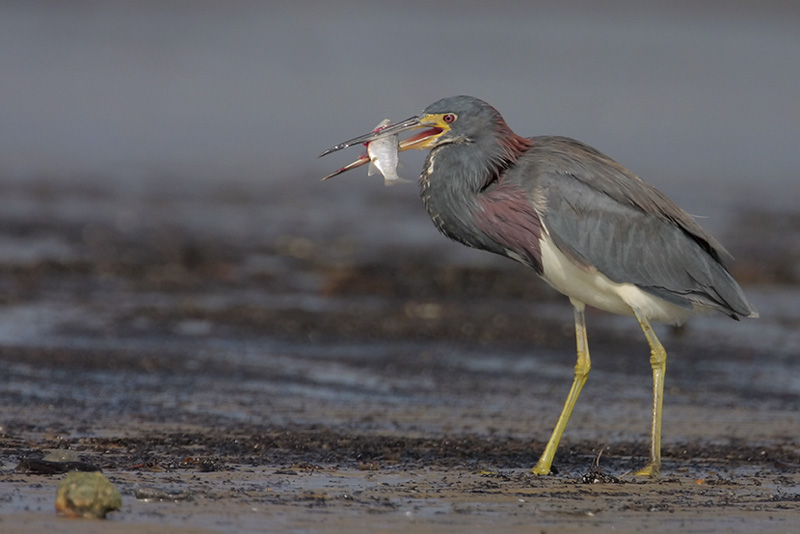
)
(383, 156)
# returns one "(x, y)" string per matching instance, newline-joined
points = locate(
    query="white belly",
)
(595, 289)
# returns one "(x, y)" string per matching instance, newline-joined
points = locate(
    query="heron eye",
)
(449, 118)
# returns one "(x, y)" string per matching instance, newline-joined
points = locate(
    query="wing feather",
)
(605, 217)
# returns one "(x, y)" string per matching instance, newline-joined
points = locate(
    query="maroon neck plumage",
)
(510, 147)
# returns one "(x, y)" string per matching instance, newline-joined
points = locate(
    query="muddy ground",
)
(278, 381)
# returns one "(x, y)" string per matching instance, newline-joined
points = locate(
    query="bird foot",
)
(650, 470)
(541, 469)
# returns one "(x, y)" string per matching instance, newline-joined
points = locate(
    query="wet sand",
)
(269, 381)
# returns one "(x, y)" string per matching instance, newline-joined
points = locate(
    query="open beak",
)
(434, 127)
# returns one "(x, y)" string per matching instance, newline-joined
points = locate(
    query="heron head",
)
(461, 119)
(455, 119)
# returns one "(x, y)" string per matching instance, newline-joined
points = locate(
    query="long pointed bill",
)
(357, 163)
(419, 141)
(378, 133)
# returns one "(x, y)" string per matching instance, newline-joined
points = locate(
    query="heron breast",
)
(509, 219)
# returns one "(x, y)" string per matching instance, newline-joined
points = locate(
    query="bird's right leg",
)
(658, 361)
(582, 368)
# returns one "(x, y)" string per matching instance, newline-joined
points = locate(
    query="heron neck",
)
(455, 175)
(450, 186)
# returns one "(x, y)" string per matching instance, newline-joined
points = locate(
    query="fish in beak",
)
(433, 127)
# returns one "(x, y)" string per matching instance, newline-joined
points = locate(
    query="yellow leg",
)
(658, 361)
(582, 368)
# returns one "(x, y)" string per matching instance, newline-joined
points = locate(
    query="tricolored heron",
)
(588, 226)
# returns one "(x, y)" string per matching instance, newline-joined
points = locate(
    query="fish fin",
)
(372, 169)
(394, 181)
(382, 124)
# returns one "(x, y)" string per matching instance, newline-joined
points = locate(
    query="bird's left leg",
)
(658, 361)
(582, 367)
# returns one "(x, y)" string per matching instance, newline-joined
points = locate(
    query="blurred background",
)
(700, 99)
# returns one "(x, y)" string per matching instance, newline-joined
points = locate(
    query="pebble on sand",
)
(87, 495)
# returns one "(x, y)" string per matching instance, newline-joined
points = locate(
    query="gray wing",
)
(602, 215)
